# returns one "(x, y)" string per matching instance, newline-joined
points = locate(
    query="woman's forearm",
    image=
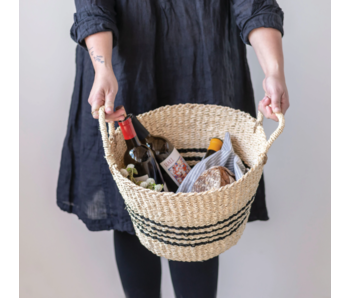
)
(105, 87)
(100, 50)
(267, 43)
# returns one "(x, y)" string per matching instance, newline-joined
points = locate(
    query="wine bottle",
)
(173, 166)
(139, 155)
(214, 146)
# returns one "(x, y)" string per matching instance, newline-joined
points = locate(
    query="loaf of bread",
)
(213, 178)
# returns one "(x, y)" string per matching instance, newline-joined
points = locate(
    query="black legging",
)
(140, 272)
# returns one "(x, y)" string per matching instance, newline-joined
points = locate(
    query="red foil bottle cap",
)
(127, 129)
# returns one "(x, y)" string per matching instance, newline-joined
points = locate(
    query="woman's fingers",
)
(114, 117)
(276, 89)
(120, 112)
(98, 100)
(109, 104)
(118, 115)
(96, 103)
(265, 108)
(276, 102)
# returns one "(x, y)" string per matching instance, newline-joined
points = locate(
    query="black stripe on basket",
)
(135, 217)
(195, 244)
(195, 158)
(197, 228)
(202, 150)
(189, 240)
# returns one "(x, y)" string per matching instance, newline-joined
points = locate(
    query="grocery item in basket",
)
(139, 155)
(213, 178)
(225, 157)
(173, 166)
(214, 146)
(150, 183)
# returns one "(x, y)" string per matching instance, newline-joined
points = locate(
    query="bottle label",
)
(176, 167)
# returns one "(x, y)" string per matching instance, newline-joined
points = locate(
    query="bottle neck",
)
(140, 130)
(129, 133)
(214, 146)
(132, 143)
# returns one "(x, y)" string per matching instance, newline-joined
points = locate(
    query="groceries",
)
(155, 157)
(173, 166)
(149, 183)
(213, 178)
(226, 157)
(140, 156)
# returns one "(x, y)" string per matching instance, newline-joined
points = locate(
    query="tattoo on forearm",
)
(97, 58)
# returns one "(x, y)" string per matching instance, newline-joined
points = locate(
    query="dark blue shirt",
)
(165, 53)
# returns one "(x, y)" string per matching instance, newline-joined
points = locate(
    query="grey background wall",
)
(288, 256)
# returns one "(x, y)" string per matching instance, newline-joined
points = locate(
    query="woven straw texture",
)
(192, 226)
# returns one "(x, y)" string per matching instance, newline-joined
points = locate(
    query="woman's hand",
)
(276, 98)
(103, 92)
(105, 87)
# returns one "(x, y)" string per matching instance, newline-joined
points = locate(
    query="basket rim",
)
(193, 105)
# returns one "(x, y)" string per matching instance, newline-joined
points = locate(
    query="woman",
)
(144, 54)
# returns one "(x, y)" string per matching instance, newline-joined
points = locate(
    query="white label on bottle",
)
(141, 178)
(176, 167)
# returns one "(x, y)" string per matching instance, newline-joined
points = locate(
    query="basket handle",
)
(277, 132)
(106, 140)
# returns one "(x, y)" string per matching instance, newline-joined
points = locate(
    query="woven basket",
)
(192, 226)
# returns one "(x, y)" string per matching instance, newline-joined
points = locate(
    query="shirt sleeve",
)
(93, 16)
(251, 14)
